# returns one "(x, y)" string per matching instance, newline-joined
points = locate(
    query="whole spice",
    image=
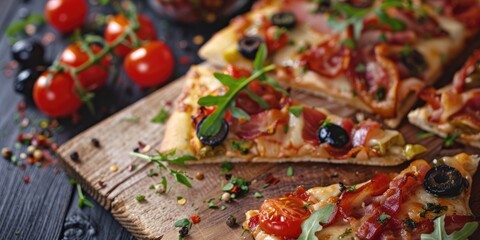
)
(231, 221)
(95, 142)
(7, 153)
(199, 176)
(226, 197)
(74, 156)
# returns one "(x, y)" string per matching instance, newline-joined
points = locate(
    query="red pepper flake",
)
(102, 184)
(141, 145)
(22, 166)
(195, 219)
(184, 60)
(26, 179)
(271, 180)
(235, 189)
(21, 106)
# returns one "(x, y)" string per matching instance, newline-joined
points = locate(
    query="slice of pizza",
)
(454, 111)
(373, 55)
(243, 115)
(422, 201)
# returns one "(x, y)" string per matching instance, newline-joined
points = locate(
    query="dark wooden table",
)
(46, 208)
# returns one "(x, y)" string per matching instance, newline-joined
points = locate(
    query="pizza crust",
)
(419, 118)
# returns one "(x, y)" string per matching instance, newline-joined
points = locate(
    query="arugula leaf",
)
(260, 59)
(312, 224)
(383, 218)
(212, 123)
(296, 110)
(161, 116)
(439, 231)
(395, 23)
(238, 113)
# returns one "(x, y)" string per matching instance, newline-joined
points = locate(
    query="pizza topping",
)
(313, 119)
(445, 181)
(312, 224)
(283, 216)
(468, 77)
(259, 124)
(284, 20)
(414, 62)
(440, 230)
(329, 59)
(249, 45)
(333, 134)
(216, 139)
(466, 11)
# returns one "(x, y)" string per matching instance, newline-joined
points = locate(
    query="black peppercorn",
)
(74, 156)
(95, 142)
(183, 231)
(231, 221)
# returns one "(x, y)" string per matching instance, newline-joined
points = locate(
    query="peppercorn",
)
(231, 221)
(183, 231)
(95, 142)
(226, 197)
(74, 156)
(199, 176)
(37, 155)
(7, 153)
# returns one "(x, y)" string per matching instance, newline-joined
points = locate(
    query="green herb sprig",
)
(312, 224)
(212, 124)
(163, 159)
(439, 231)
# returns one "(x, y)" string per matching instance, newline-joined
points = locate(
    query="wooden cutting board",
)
(154, 218)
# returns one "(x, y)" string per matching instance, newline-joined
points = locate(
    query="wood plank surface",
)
(154, 218)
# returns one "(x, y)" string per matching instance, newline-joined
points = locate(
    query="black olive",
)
(444, 181)
(284, 20)
(333, 134)
(24, 81)
(28, 53)
(473, 79)
(414, 61)
(215, 140)
(249, 45)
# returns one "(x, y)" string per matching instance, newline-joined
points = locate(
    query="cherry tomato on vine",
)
(95, 76)
(66, 15)
(283, 216)
(117, 25)
(57, 96)
(150, 65)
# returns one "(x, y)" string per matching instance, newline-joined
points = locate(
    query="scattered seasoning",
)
(236, 187)
(347, 232)
(271, 180)
(290, 171)
(30, 149)
(432, 207)
(7, 153)
(450, 139)
(195, 218)
(82, 200)
(226, 167)
(211, 204)
(26, 179)
(102, 184)
(152, 173)
(383, 218)
(161, 116)
(140, 198)
(257, 195)
(181, 200)
(95, 142)
(198, 39)
(199, 176)
(74, 156)
(226, 197)
(160, 188)
(132, 167)
(423, 135)
(351, 188)
(231, 221)
(223, 207)
(185, 225)
(37, 154)
(265, 185)
(307, 205)
(114, 168)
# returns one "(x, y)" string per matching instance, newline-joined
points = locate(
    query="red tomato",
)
(117, 25)
(283, 216)
(93, 77)
(56, 97)
(150, 65)
(66, 15)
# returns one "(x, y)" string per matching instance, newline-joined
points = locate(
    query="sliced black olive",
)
(414, 61)
(249, 45)
(334, 135)
(284, 20)
(216, 139)
(28, 53)
(444, 181)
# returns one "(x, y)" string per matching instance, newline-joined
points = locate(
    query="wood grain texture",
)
(154, 218)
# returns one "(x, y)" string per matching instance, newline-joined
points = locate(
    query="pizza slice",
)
(244, 115)
(373, 55)
(422, 201)
(455, 109)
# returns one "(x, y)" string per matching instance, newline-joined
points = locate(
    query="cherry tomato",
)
(283, 216)
(66, 15)
(150, 65)
(117, 25)
(94, 76)
(57, 97)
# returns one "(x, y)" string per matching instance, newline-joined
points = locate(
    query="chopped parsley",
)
(257, 195)
(450, 139)
(140, 198)
(423, 135)
(351, 188)
(296, 110)
(161, 116)
(226, 167)
(383, 219)
(241, 146)
(290, 171)
(380, 95)
(432, 207)
(360, 68)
